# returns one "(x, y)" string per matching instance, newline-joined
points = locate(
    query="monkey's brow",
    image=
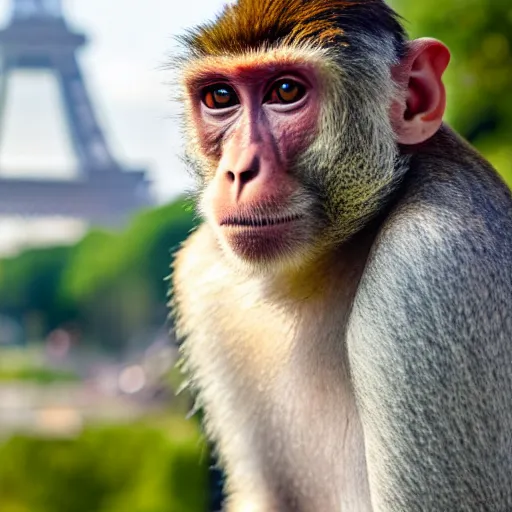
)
(248, 73)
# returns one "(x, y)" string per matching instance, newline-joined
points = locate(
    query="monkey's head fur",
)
(350, 163)
(250, 23)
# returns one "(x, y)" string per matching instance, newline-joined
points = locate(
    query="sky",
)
(130, 43)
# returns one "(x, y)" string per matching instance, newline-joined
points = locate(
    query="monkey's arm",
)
(430, 348)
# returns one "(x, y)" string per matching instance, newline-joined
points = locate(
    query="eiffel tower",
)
(38, 37)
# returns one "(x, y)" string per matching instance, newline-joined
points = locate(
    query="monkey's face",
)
(295, 112)
(288, 167)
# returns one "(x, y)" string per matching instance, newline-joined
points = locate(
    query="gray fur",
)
(430, 339)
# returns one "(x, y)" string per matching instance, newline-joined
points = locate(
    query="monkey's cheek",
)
(264, 244)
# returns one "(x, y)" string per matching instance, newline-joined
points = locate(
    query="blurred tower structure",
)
(102, 192)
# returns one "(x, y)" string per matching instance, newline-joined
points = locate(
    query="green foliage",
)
(479, 78)
(115, 469)
(28, 284)
(101, 259)
(118, 281)
(109, 287)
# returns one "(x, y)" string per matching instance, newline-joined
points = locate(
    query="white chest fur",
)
(276, 391)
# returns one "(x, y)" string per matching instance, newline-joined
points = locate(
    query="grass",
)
(126, 468)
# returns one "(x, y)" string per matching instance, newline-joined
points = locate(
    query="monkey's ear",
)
(419, 112)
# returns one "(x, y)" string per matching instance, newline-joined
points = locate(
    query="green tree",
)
(29, 284)
(118, 282)
(110, 286)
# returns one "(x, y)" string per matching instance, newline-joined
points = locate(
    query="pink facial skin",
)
(253, 144)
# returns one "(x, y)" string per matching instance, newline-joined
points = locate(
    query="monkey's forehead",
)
(251, 60)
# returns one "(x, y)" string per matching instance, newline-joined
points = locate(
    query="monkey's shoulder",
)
(454, 205)
(444, 255)
(453, 183)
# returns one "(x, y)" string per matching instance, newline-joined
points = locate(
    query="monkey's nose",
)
(243, 177)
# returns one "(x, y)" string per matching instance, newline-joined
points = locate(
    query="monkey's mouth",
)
(257, 238)
(258, 222)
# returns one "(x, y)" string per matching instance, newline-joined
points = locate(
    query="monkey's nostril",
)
(231, 176)
(247, 176)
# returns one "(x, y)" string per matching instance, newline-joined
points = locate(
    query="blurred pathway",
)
(63, 409)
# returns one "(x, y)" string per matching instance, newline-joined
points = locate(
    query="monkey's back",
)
(430, 338)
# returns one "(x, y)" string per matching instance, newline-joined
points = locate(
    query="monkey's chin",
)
(261, 246)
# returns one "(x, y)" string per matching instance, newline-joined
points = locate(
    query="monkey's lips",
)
(257, 222)
(260, 238)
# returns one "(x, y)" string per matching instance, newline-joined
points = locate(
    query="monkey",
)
(344, 308)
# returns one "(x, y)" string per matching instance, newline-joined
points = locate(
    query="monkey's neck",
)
(448, 147)
(335, 271)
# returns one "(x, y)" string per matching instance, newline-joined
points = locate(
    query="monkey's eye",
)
(219, 96)
(286, 91)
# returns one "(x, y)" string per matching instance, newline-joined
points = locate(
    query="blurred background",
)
(92, 207)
